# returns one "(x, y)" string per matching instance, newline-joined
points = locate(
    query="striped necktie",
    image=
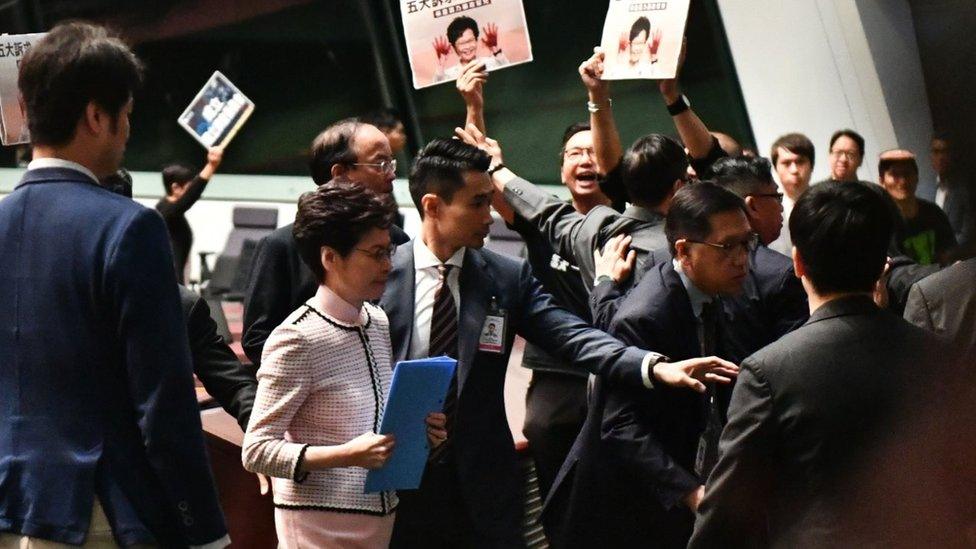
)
(444, 342)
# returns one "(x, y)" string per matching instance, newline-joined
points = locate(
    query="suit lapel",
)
(398, 301)
(475, 291)
(687, 325)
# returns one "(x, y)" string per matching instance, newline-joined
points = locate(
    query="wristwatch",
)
(679, 106)
(495, 168)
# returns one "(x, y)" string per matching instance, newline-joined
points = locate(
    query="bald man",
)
(926, 235)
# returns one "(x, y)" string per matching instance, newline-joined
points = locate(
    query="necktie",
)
(443, 342)
(708, 442)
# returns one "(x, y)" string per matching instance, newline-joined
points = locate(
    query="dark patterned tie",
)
(708, 443)
(444, 342)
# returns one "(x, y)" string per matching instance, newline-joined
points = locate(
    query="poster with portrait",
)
(444, 35)
(13, 120)
(642, 39)
(217, 112)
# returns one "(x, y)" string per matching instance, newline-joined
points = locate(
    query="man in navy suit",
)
(444, 287)
(101, 440)
(636, 472)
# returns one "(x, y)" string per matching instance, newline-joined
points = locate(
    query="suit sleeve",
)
(604, 300)
(223, 376)
(789, 308)
(555, 219)
(140, 278)
(564, 335)
(917, 309)
(268, 296)
(738, 488)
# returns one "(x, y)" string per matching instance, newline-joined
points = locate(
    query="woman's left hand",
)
(436, 429)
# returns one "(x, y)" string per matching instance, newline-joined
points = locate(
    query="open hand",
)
(615, 261)
(442, 48)
(470, 83)
(473, 136)
(692, 372)
(489, 37)
(654, 43)
(623, 43)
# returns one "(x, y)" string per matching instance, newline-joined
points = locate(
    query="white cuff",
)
(218, 544)
(647, 365)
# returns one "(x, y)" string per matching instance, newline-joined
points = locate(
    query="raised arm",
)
(470, 84)
(196, 186)
(606, 138)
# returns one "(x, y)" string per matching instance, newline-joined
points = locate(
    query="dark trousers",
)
(555, 408)
(435, 516)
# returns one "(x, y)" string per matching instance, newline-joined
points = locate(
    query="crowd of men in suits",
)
(692, 386)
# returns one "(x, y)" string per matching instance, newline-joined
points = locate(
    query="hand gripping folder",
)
(418, 388)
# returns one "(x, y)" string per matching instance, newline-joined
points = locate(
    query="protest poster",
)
(642, 40)
(13, 119)
(444, 35)
(217, 112)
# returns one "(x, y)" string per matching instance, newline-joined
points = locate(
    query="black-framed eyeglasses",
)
(380, 254)
(777, 196)
(747, 245)
(385, 166)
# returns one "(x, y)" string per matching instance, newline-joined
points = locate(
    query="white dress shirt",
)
(38, 163)
(426, 282)
(940, 192)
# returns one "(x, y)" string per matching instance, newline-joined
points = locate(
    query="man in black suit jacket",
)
(279, 281)
(829, 441)
(945, 303)
(470, 493)
(633, 476)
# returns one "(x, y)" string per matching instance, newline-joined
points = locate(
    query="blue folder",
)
(418, 388)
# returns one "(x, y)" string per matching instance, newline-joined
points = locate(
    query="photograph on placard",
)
(217, 112)
(13, 119)
(642, 40)
(443, 36)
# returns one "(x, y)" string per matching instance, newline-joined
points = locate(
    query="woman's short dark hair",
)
(75, 64)
(850, 134)
(338, 214)
(642, 24)
(651, 166)
(439, 169)
(692, 208)
(842, 232)
(333, 146)
(458, 26)
(796, 143)
(176, 173)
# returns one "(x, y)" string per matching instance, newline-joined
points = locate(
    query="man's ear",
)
(92, 119)
(339, 170)
(431, 204)
(798, 266)
(750, 203)
(681, 251)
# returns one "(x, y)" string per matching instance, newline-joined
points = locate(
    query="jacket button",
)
(183, 506)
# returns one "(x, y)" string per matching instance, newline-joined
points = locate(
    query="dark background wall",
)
(307, 64)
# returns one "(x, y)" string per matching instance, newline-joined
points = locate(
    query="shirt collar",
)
(336, 307)
(698, 298)
(423, 258)
(39, 163)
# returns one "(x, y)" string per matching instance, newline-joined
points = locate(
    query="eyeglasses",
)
(576, 154)
(385, 166)
(381, 254)
(748, 245)
(777, 196)
(850, 155)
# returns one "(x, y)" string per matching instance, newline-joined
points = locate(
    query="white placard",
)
(13, 119)
(217, 112)
(642, 39)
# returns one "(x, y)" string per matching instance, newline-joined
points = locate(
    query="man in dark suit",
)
(279, 281)
(945, 303)
(635, 473)
(443, 293)
(228, 381)
(101, 437)
(830, 439)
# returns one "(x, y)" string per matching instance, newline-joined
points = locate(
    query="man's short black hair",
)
(842, 232)
(75, 64)
(176, 173)
(119, 182)
(642, 24)
(796, 143)
(886, 162)
(743, 175)
(439, 169)
(849, 133)
(650, 168)
(338, 214)
(692, 208)
(459, 25)
(384, 119)
(333, 146)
